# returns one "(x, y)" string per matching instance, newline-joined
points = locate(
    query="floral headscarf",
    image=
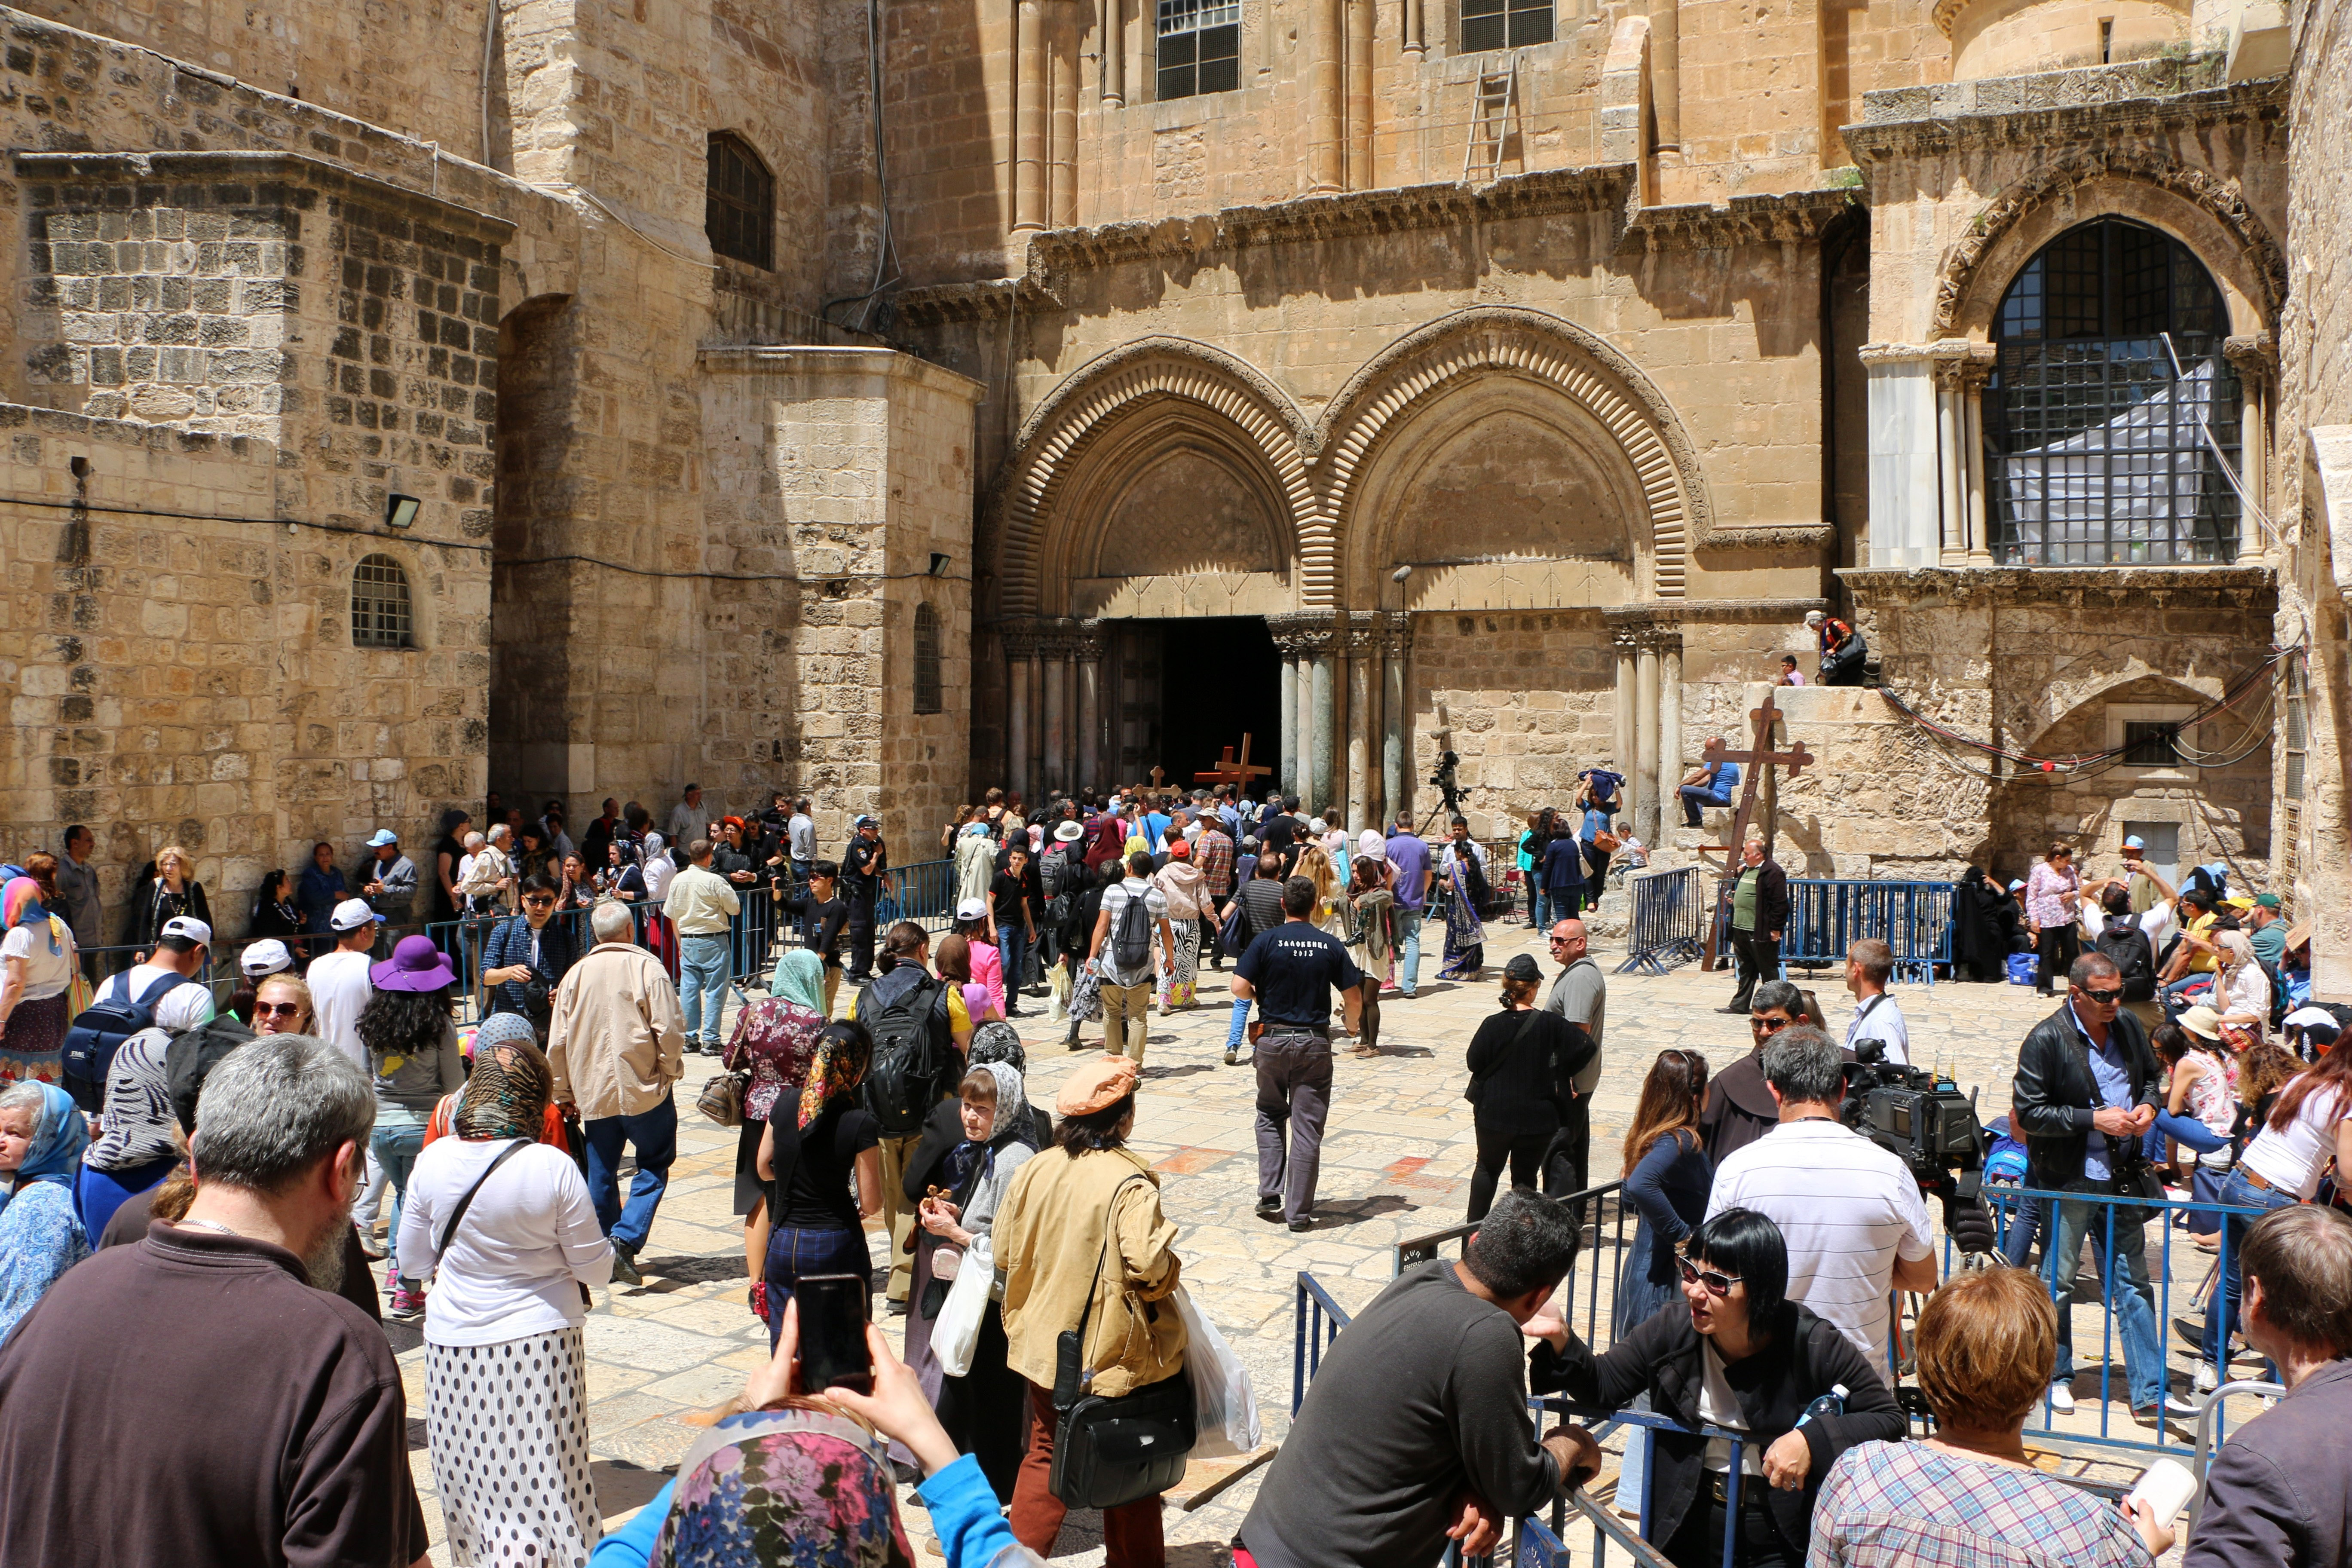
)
(505, 1095)
(842, 1054)
(797, 1486)
(58, 1138)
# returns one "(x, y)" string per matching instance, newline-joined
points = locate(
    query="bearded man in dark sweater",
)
(1415, 1430)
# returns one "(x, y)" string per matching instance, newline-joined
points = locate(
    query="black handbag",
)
(1111, 1452)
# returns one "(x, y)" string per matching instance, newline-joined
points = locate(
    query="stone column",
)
(1417, 40)
(2254, 356)
(1329, 786)
(1647, 817)
(1952, 486)
(1029, 115)
(1363, 721)
(1620, 639)
(1285, 778)
(1665, 76)
(1112, 33)
(1396, 788)
(1088, 651)
(1670, 720)
(1020, 640)
(1326, 152)
(1062, 128)
(1972, 462)
(1360, 96)
(1053, 649)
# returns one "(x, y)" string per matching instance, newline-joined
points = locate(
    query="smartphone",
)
(834, 1308)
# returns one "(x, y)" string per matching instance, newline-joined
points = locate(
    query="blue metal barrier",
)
(1318, 1322)
(1668, 927)
(924, 892)
(1913, 918)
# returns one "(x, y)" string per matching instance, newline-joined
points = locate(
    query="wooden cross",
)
(1759, 757)
(1228, 771)
(1156, 775)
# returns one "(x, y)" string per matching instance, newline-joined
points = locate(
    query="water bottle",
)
(1830, 1403)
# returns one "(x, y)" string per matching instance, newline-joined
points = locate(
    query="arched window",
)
(739, 204)
(927, 659)
(380, 612)
(2109, 398)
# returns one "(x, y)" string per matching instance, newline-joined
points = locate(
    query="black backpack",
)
(2126, 946)
(1053, 875)
(93, 1038)
(910, 1065)
(1131, 940)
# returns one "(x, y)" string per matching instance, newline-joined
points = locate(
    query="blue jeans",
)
(395, 1146)
(1408, 941)
(1694, 798)
(2186, 1131)
(1015, 947)
(1239, 1029)
(702, 983)
(2132, 1301)
(2029, 1222)
(2174, 995)
(795, 1252)
(1561, 904)
(2239, 1193)
(653, 1134)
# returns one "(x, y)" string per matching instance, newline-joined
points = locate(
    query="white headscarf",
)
(1370, 846)
(1008, 1150)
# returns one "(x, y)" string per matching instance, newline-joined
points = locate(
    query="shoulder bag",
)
(456, 1214)
(721, 1099)
(1111, 1452)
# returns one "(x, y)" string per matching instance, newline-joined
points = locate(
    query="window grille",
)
(2151, 745)
(739, 209)
(1505, 24)
(927, 660)
(1200, 47)
(2108, 373)
(2297, 743)
(380, 609)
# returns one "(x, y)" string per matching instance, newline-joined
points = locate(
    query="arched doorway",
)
(2111, 408)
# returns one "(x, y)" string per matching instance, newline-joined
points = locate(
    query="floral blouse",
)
(775, 1038)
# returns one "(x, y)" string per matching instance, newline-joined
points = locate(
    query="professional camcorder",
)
(1447, 783)
(1922, 1118)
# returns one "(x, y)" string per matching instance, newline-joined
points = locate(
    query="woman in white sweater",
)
(505, 1224)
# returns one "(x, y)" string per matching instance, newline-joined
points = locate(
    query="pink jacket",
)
(988, 969)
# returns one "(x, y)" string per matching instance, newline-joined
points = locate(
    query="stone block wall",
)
(1525, 700)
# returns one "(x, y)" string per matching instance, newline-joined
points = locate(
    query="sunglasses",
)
(278, 1009)
(541, 902)
(2104, 998)
(1718, 1284)
(1766, 1024)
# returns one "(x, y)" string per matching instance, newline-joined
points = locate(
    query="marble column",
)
(1286, 777)
(1030, 116)
(1972, 465)
(1954, 551)
(1396, 787)
(1621, 710)
(1113, 44)
(1647, 817)
(1670, 721)
(1363, 721)
(2254, 356)
(1053, 650)
(1329, 786)
(1327, 151)
(1020, 643)
(1088, 650)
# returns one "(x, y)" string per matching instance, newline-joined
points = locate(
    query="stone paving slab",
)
(1396, 1164)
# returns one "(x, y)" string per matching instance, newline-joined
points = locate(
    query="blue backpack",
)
(94, 1037)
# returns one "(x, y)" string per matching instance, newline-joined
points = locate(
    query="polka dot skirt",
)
(508, 1427)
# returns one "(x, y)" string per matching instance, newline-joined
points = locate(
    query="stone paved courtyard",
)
(1396, 1164)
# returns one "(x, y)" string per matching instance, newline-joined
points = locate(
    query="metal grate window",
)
(2151, 745)
(739, 207)
(2296, 738)
(2108, 376)
(1200, 46)
(380, 610)
(927, 660)
(1505, 24)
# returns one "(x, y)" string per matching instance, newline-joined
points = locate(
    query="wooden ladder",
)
(1490, 122)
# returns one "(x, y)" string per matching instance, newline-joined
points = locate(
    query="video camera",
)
(1919, 1117)
(1446, 782)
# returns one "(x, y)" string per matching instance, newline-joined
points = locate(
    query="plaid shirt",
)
(1887, 1504)
(1214, 854)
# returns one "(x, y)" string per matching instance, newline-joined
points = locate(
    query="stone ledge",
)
(1910, 122)
(1720, 612)
(49, 171)
(836, 361)
(2146, 588)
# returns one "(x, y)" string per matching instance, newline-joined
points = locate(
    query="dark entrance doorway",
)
(1189, 688)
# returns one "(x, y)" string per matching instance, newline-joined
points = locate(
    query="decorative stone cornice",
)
(2094, 589)
(1796, 215)
(1021, 639)
(1302, 632)
(992, 298)
(2053, 109)
(1628, 620)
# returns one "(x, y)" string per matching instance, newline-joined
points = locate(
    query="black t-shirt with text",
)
(1009, 893)
(821, 922)
(1293, 968)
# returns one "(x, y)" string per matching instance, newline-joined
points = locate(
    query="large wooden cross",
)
(1755, 760)
(1228, 771)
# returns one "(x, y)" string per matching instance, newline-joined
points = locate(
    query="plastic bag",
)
(956, 1331)
(1224, 1405)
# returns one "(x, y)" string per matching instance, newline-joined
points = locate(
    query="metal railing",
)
(1913, 918)
(1319, 1321)
(2208, 1423)
(1668, 927)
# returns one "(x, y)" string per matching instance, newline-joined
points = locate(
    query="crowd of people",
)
(240, 1167)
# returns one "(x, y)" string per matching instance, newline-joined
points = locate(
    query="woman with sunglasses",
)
(1733, 1355)
(527, 955)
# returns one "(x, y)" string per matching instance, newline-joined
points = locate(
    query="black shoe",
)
(624, 1264)
(1269, 1206)
(897, 1307)
(1302, 1225)
(1014, 1012)
(1734, 1010)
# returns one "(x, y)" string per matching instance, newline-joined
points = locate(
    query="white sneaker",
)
(2208, 1379)
(2062, 1399)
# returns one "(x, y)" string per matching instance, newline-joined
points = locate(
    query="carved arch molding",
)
(2259, 255)
(1315, 465)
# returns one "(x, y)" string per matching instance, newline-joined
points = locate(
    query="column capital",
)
(1959, 365)
(1021, 639)
(2254, 355)
(1309, 632)
(1088, 641)
(1396, 633)
(1656, 637)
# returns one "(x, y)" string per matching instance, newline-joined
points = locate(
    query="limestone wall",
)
(1525, 700)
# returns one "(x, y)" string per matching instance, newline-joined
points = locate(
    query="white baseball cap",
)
(2134, 843)
(188, 926)
(352, 914)
(971, 910)
(381, 836)
(268, 956)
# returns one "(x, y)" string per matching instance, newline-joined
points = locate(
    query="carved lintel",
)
(1021, 639)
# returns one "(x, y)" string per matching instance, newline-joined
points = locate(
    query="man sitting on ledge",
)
(1709, 783)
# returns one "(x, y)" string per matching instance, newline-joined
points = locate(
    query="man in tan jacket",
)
(616, 1046)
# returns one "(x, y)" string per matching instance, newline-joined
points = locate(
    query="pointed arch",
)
(1223, 390)
(1567, 358)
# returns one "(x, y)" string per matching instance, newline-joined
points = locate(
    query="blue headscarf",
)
(58, 1138)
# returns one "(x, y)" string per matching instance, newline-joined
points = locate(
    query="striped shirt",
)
(1847, 1208)
(1903, 1505)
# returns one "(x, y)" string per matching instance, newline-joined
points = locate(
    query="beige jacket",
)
(617, 1041)
(1049, 1234)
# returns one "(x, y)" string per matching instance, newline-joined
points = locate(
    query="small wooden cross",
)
(1156, 775)
(1228, 771)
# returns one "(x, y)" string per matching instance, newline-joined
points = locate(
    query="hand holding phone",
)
(834, 1309)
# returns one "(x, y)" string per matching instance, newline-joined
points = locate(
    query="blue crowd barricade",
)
(923, 892)
(1668, 927)
(1913, 918)
(1318, 1322)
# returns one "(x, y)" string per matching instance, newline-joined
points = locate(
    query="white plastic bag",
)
(956, 1332)
(1223, 1404)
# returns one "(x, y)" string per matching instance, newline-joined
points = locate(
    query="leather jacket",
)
(2055, 1094)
